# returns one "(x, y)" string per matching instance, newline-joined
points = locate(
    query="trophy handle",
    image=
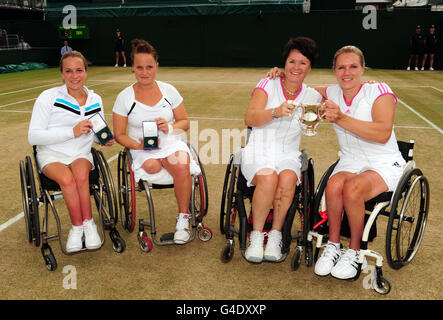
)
(300, 106)
(321, 110)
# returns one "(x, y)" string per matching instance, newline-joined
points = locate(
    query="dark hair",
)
(143, 46)
(306, 46)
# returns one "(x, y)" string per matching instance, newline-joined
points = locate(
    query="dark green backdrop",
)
(240, 40)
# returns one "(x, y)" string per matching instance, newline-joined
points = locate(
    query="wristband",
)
(170, 128)
(273, 114)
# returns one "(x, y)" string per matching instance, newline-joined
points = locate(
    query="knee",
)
(352, 192)
(333, 188)
(66, 181)
(287, 182)
(81, 178)
(266, 180)
(181, 171)
(152, 166)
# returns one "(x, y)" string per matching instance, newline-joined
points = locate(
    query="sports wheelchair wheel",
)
(126, 191)
(305, 195)
(110, 207)
(106, 200)
(224, 199)
(407, 219)
(30, 201)
(200, 200)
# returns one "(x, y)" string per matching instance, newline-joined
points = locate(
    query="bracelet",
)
(273, 114)
(170, 128)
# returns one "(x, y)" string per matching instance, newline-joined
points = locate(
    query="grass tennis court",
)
(216, 100)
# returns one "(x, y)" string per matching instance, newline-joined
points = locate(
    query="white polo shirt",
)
(360, 107)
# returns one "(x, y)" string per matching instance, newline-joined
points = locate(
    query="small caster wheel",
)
(227, 252)
(145, 242)
(296, 258)
(205, 234)
(51, 263)
(119, 245)
(381, 285)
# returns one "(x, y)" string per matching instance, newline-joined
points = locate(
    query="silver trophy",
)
(311, 114)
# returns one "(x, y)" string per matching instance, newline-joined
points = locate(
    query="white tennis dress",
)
(275, 145)
(137, 112)
(54, 116)
(357, 154)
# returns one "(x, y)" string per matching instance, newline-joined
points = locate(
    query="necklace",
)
(287, 90)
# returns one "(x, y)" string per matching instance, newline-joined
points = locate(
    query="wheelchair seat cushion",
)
(163, 177)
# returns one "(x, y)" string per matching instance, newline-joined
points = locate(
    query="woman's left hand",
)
(162, 125)
(109, 143)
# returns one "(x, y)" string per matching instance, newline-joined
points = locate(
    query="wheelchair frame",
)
(232, 205)
(127, 186)
(101, 188)
(399, 215)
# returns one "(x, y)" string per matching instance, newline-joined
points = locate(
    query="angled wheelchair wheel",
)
(110, 206)
(223, 209)
(408, 218)
(232, 221)
(126, 191)
(25, 201)
(30, 202)
(201, 188)
(105, 201)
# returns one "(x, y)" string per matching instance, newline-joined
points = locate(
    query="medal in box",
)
(101, 129)
(150, 135)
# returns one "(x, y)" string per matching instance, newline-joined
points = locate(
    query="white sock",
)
(337, 245)
(183, 215)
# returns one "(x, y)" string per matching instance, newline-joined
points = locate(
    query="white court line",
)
(436, 89)
(22, 214)
(18, 102)
(45, 85)
(421, 116)
(237, 119)
(11, 221)
(248, 82)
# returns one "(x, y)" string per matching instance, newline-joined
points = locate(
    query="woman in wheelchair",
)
(370, 162)
(159, 102)
(271, 158)
(61, 131)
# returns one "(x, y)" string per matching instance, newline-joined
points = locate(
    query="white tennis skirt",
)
(46, 157)
(390, 170)
(254, 160)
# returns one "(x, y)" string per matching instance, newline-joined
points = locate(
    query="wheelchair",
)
(101, 187)
(407, 211)
(129, 183)
(234, 219)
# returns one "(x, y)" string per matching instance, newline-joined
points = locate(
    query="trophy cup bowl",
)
(311, 114)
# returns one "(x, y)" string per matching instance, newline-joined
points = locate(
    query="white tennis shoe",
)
(328, 259)
(75, 239)
(92, 238)
(347, 266)
(273, 246)
(254, 253)
(182, 233)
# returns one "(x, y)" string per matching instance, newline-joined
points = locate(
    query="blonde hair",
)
(349, 49)
(73, 54)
